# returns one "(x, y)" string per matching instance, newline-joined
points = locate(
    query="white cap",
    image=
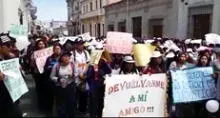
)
(156, 54)
(170, 55)
(128, 59)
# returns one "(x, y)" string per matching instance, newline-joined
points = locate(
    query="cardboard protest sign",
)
(20, 33)
(119, 43)
(143, 53)
(95, 56)
(135, 96)
(41, 56)
(193, 85)
(13, 80)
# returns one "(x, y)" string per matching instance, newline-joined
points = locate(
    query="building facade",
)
(93, 17)
(16, 12)
(74, 12)
(172, 18)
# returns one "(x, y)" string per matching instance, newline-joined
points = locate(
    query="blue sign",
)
(193, 85)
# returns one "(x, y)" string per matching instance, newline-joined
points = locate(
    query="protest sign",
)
(41, 56)
(13, 80)
(18, 30)
(135, 96)
(143, 53)
(119, 43)
(193, 85)
(95, 56)
(86, 36)
(20, 33)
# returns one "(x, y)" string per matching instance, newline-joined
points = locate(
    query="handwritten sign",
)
(13, 80)
(143, 53)
(95, 56)
(193, 85)
(135, 96)
(20, 33)
(18, 30)
(119, 43)
(41, 57)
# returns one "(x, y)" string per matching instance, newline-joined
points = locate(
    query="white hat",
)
(99, 46)
(197, 41)
(170, 55)
(156, 54)
(128, 59)
(187, 41)
(189, 50)
(91, 47)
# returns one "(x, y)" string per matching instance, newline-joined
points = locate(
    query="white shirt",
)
(80, 61)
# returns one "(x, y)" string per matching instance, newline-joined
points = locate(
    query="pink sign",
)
(119, 42)
(41, 57)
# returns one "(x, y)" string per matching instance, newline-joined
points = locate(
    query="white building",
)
(172, 18)
(93, 17)
(15, 12)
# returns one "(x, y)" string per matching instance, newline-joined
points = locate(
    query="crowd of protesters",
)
(72, 85)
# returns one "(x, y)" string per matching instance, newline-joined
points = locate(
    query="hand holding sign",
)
(1, 76)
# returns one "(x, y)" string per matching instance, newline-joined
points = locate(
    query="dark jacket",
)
(96, 79)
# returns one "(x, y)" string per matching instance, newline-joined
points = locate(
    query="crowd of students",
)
(72, 85)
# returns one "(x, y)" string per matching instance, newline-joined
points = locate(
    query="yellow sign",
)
(143, 53)
(95, 56)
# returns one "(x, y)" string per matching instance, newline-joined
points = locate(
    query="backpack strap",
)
(57, 69)
(74, 56)
(73, 67)
(85, 55)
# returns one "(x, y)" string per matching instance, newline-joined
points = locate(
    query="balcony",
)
(94, 13)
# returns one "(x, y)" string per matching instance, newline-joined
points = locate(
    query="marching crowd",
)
(72, 85)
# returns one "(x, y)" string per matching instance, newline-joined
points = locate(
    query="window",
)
(96, 4)
(90, 28)
(122, 26)
(201, 25)
(91, 6)
(156, 27)
(103, 30)
(137, 26)
(86, 8)
(83, 28)
(99, 30)
(100, 3)
(95, 29)
(111, 27)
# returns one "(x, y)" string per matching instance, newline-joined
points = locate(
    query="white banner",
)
(13, 80)
(135, 96)
(41, 57)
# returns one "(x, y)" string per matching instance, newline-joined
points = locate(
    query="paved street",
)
(29, 104)
(29, 101)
